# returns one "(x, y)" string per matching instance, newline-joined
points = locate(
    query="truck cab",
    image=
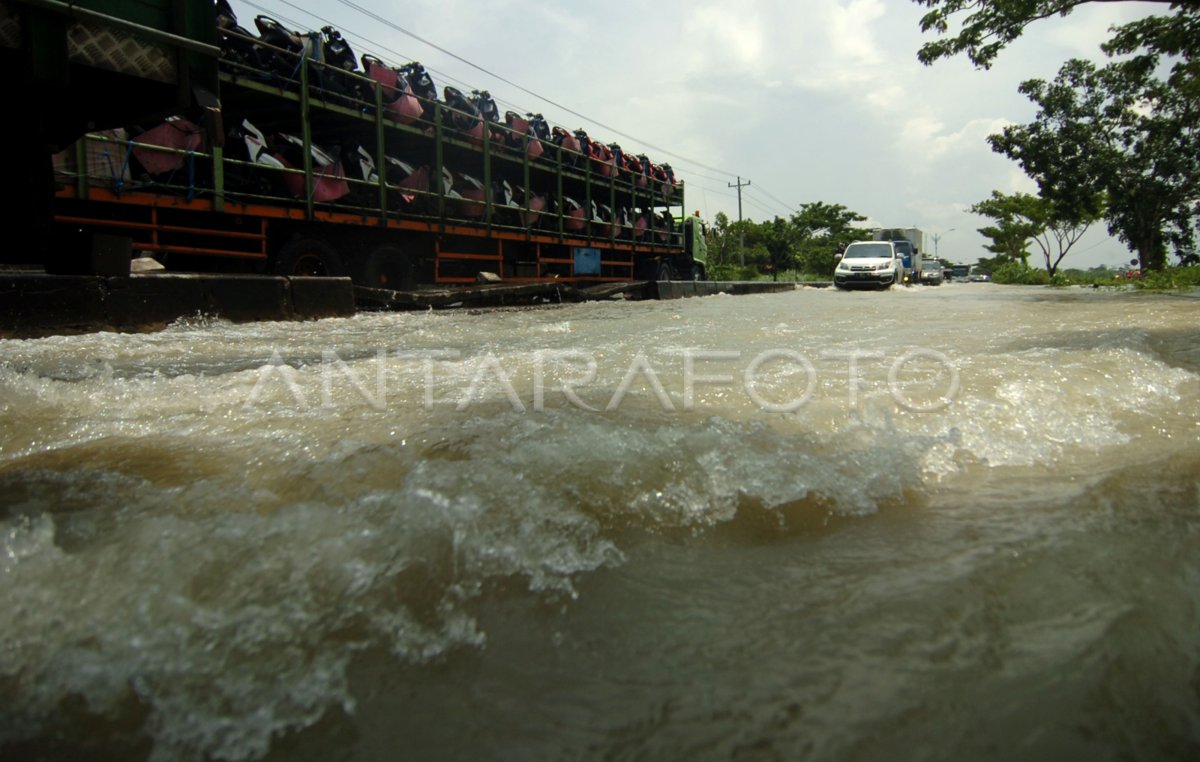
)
(696, 245)
(693, 263)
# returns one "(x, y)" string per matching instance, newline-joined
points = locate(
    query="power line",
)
(769, 212)
(714, 191)
(771, 207)
(766, 193)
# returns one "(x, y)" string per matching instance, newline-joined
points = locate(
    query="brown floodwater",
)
(959, 522)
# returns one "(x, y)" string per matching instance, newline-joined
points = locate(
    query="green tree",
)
(754, 236)
(1124, 133)
(1062, 232)
(1022, 217)
(807, 241)
(1017, 221)
(719, 242)
(781, 239)
(834, 222)
(742, 232)
(821, 227)
(1121, 134)
(985, 27)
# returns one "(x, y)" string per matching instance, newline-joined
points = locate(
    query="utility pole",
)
(741, 234)
(936, 238)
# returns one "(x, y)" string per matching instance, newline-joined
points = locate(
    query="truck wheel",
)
(697, 271)
(308, 256)
(387, 267)
(664, 271)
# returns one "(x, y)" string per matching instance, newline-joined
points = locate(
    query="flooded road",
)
(931, 523)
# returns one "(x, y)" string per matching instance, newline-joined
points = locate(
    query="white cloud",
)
(1081, 34)
(849, 29)
(1019, 182)
(725, 35)
(928, 136)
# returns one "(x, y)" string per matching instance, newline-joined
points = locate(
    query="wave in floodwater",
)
(209, 531)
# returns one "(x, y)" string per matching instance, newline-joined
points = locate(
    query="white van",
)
(869, 263)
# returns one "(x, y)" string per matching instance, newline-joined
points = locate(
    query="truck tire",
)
(664, 271)
(697, 271)
(308, 256)
(387, 267)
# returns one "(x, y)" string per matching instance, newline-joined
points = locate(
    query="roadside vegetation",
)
(799, 248)
(1171, 278)
(1166, 279)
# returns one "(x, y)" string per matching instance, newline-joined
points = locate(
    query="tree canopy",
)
(1018, 218)
(833, 222)
(986, 27)
(805, 242)
(1022, 218)
(1117, 133)
(1123, 134)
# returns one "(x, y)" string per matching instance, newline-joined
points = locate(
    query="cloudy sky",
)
(808, 100)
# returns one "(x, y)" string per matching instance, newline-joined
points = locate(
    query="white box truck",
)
(910, 242)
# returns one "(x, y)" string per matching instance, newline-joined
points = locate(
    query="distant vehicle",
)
(909, 242)
(960, 272)
(978, 276)
(910, 258)
(931, 273)
(869, 263)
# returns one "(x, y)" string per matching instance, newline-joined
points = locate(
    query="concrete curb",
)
(51, 301)
(36, 304)
(314, 298)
